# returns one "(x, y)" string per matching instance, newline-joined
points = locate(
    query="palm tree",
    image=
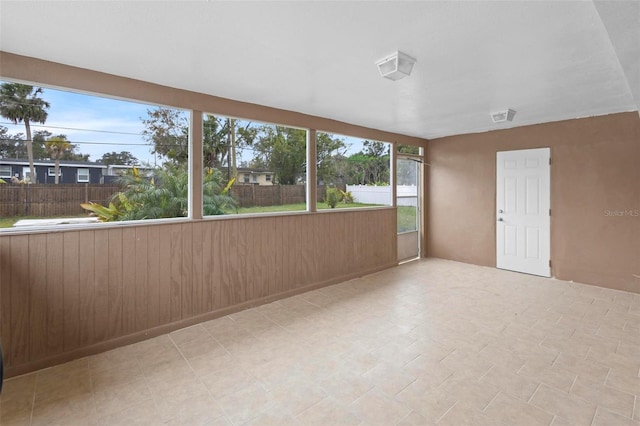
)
(21, 103)
(162, 196)
(56, 147)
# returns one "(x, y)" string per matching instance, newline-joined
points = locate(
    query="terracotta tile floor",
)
(430, 342)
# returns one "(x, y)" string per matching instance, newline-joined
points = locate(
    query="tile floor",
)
(430, 342)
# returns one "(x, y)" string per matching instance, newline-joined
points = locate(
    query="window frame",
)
(78, 175)
(26, 173)
(244, 178)
(392, 153)
(6, 167)
(51, 171)
(195, 142)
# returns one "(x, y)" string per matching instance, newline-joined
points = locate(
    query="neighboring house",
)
(114, 171)
(70, 171)
(249, 176)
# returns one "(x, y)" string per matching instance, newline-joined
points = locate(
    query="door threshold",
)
(402, 262)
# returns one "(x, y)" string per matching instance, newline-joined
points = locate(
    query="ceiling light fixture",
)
(396, 66)
(505, 115)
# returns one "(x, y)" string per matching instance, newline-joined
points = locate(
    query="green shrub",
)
(164, 195)
(347, 197)
(333, 197)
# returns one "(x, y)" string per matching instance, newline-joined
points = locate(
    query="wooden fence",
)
(273, 195)
(45, 200)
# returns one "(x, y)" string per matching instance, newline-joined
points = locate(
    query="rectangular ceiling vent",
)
(500, 116)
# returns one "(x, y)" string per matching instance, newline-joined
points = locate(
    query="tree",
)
(168, 130)
(378, 154)
(408, 149)
(9, 144)
(223, 138)
(38, 146)
(369, 166)
(57, 146)
(122, 157)
(21, 103)
(74, 155)
(356, 169)
(14, 146)
(329, 156)
(283, 151)
(214, 144)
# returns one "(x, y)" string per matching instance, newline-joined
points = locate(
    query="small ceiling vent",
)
(500, 116)
(396, 66)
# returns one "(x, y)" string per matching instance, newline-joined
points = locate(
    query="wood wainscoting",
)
(68, 294)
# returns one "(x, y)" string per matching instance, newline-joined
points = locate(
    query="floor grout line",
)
(572, 384)
(33, 399)
(594, 416)
(484, 410)
(533, 394)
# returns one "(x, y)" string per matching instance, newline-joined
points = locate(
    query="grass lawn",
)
(406, 218)
(406, 215)
(7, 222)
(295, 207)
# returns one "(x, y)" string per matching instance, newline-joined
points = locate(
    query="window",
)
(409, 149)
(148, 143)
(238, 153)
(83, 175)
(5, 172)
(352, 172)
(26, 174)
(52, 172)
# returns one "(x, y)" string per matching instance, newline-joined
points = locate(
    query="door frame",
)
(419, 159)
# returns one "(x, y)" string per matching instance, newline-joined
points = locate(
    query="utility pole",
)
(232, 132)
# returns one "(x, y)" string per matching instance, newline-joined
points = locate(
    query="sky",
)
(98, 125)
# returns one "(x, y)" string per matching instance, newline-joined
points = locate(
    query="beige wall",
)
(595, 169)
(261, 178)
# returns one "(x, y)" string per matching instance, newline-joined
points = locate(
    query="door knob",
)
(500, 219)
(500, 211)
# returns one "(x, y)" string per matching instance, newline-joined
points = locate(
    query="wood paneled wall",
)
(71, 293)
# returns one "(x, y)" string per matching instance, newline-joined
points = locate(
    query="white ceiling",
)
(547, 60)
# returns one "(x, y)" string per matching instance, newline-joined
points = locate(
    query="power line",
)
(91, 143)
(150, 145)
(77, 128)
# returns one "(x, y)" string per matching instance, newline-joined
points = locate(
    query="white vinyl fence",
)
(382, 194)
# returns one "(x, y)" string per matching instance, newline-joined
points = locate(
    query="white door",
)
(522, 211)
